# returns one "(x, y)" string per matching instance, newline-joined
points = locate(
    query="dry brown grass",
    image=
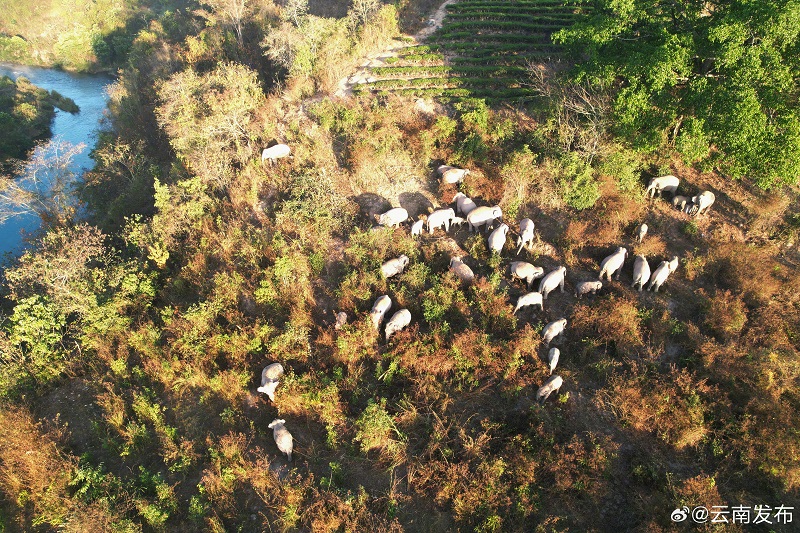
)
(613, 321)
(671, 406)
(35, 474)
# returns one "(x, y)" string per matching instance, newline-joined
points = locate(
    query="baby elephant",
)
(395, 266)
(531, 298)
(282, 437)
(613, 263)
(642, 232)
(417, 227)
(587, 287)
(550, 386)
(526, 233)
(552, 330)
(270, 378)
(679, 202)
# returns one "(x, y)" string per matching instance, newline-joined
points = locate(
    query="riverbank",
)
(87, 92)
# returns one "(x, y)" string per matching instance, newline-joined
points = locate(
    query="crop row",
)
(522, 3)
(516, 17)
(483, 48)
(444, 82)
(515, 8)
(491, 70)
(480, 39)
(501, 25)
(416, 58)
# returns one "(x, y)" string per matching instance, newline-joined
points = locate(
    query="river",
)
(88, 91)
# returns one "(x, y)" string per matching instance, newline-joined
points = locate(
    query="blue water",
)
(88, 91)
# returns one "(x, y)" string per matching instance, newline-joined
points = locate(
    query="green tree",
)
(700, 75)
(207, 118)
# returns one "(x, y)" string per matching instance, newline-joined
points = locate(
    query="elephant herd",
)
(490, 219)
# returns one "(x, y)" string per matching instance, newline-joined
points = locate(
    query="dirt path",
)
(378, 59)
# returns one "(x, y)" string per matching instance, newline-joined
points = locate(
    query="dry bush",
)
(747, 270)
(614, 322)
(699, 490)
(494, 312)
(766, 213)
(35, 475)
(582, 464)
(574, 238)
(671, 405)
(769, 440)
(725, 314)
(652, 246)
(612, 214)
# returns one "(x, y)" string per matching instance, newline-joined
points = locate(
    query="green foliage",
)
(625, 167)
(376, 430)
(207, 118)
(723, 79)
(579, 189)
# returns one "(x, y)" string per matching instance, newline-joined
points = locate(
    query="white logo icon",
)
(679, 515)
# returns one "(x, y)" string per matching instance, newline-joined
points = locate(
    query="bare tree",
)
(582, 111)
(295, 11)
(233, 12)
(362, 10)
(43, 186)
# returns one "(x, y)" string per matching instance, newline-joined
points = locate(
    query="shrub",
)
(575, 177)
(376, 430)
(725, 315)
(616, 322)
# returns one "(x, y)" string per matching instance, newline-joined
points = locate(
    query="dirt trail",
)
(378, 59)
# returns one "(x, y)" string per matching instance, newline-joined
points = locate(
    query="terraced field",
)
(483, 50)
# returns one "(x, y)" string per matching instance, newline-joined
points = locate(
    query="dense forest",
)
(133, 333)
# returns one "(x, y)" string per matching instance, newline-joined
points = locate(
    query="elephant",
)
(553, 384)
(497, 239)
(586, 287)
(526, 271)
(552, 280)
(531, 298)
(701, 203)
(462, 271)
(641, 272)
(464, 204)
(393, 217)
(553, 330)
(484, 216)
(439, 218)
(666, 183)
(613, 263)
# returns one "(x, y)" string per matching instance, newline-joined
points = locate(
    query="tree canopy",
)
(719, 79)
